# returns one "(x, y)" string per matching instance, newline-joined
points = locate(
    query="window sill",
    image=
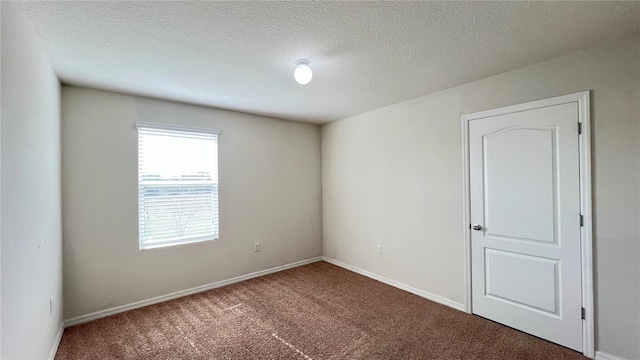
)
(176, 243)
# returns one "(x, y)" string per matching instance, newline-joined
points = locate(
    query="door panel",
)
(524, 192)
(527, 281)
(504, 152)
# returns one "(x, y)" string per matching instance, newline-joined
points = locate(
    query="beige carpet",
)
(318, 311)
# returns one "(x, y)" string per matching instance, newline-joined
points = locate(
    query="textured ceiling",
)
(365, 55)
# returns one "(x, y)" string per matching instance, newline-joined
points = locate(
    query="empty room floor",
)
(317, 311)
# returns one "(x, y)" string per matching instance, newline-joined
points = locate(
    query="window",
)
(178, 185)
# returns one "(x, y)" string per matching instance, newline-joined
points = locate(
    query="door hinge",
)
(581, 220)
(583, 313)
(579, 128)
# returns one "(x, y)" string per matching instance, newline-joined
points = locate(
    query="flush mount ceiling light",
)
(303, 73)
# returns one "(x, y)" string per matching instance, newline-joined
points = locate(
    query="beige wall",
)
(393, 176)
(270, 193)
(31, 206)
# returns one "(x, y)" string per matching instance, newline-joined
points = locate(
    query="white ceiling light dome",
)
(303, 73)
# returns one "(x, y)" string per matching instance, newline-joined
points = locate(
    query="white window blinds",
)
(178, 185)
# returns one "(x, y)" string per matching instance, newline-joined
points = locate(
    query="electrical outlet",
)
(379, 250)
(51, 305)
(256, 247)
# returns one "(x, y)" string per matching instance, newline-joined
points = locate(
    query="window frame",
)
(183, 241)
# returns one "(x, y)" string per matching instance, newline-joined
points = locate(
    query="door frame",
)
(584, 143)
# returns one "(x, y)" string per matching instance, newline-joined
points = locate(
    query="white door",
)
(524, 173)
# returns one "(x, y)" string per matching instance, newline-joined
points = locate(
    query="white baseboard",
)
(56, 342)
(606, 356)
(439, 299)
(178, 294)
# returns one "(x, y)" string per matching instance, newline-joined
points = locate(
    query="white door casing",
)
(527, 182)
